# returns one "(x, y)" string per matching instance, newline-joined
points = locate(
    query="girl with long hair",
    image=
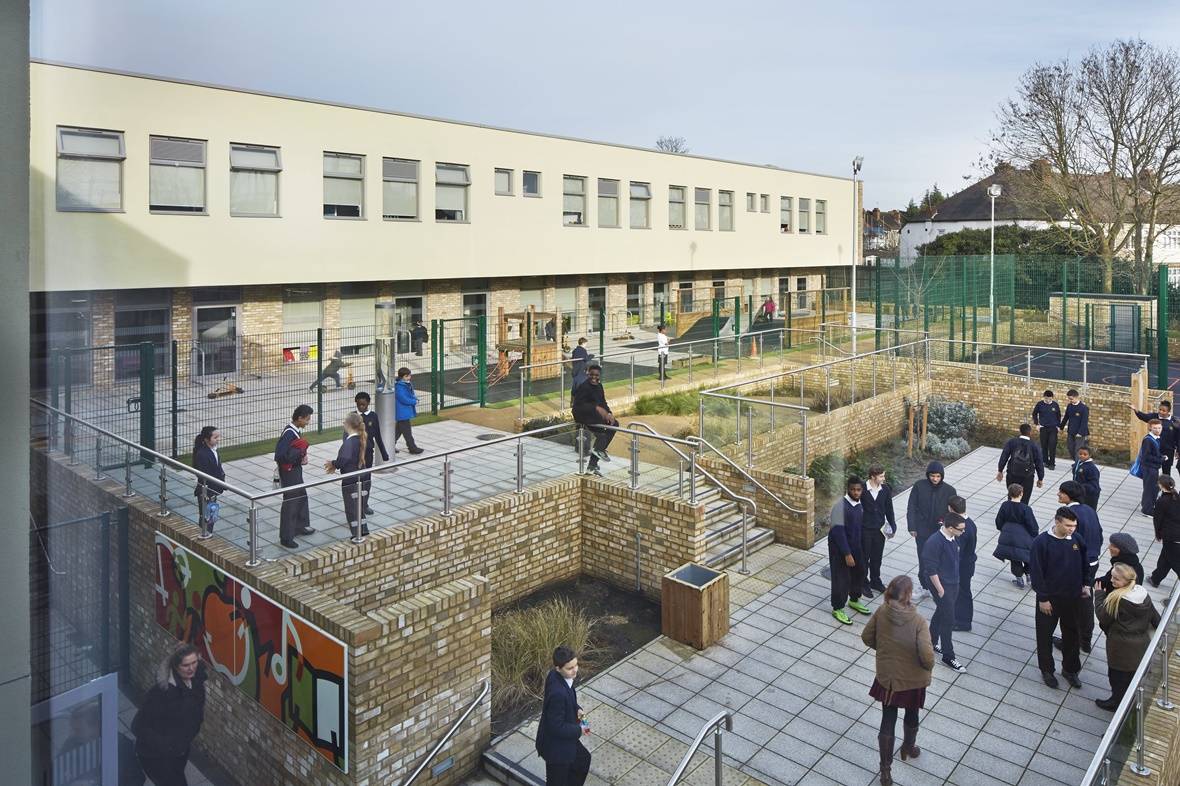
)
(207, 460)
(350, 458)
(170, 717)
(1127, 616)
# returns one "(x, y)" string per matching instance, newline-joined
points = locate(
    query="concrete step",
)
(728, 550)
(506, 772)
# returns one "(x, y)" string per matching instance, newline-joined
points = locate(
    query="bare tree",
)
(672, 144)
(1099, 142)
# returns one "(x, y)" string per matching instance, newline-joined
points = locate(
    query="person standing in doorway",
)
(879, 525)
(1086, 472)
(940, 562)
(1166, 521)
(171, 716)
(372, 444)
(965, 603)
(290, 456)
(1089, 533)
(418, 337)
(1150, 459)
(1018, 528)
(924, 512)
(1127, 616)
(405, 410)
(845, 553)
(1023, 460)
(351, 458)
(1076, 423)
(904, 663)
(1057, 570)
(563, 724)
(1046, 416)
(662, 351)
(206, 459)
(1168, 432)
(592, 411)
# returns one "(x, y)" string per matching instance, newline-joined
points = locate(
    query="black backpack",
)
(1020, 464)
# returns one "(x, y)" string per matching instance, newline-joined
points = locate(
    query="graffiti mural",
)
(292, 668)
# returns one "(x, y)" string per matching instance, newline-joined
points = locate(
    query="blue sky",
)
(912, 87)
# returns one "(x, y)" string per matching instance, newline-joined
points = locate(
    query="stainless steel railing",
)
(483, 694)
(723, 719)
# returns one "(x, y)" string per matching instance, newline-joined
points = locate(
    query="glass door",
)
(596, 300)
(407, 313)
(217, 340)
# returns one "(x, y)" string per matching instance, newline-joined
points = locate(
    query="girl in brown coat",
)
(905, 659)
(1127, 617)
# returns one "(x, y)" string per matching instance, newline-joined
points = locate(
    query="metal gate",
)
(112, 387)
(459, 367)
(1124, 328)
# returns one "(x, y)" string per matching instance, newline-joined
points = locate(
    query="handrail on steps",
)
(487, 688)
(746, 475)
(714, 724)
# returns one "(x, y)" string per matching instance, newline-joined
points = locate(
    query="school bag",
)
(1020, 464)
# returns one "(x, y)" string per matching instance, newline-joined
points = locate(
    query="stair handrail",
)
(754, 481)
(714, 724)
(487, 688)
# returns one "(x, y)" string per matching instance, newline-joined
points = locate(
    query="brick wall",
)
(794, 529)
(261, 311)
(442, 300)
(182, 329)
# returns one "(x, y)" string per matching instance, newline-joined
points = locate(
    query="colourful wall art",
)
(289, 666)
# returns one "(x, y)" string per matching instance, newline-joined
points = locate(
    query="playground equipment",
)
(532, 336)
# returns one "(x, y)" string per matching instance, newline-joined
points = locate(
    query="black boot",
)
(885, 747)
(909, 743)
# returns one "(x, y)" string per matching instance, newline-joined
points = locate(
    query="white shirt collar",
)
(1024, 437)
(951, 538)
(851, 501)
(295, 428)
(1053, 532)
(568, 681)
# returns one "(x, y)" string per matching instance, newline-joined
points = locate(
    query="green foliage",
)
(832, 469)
(948, 419)
(949, 448)
(683, 403)
(1010, 239)
(522, 649)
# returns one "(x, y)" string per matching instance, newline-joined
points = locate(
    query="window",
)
(303, 312)
(635, 294)
(399, 189)
(143, 315)
(504, 182)
(725, 211)
(804, 215)
(176, 175)
(785, 209)
(608, 203)
(676, 207)
(821, 216)
(357, 304)
(89, 169)
(703, 199)
(254, 180)
(764, 203)
(719, 289)
(751, 206)
(450, 192)
(640, 205)
(344, 185)
(573, 201)
(531, 184)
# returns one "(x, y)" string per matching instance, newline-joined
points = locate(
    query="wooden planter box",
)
(694, 605)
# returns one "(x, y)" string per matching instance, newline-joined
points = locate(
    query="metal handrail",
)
(1139, 355)
(747, 400)
(487, 688)
(714, 724)
(1100, 760)
(812, 367)
(746, 475)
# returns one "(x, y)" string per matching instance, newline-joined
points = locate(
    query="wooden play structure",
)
(531, 337)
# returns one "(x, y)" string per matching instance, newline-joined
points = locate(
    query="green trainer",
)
(842, 616)
(856, 605)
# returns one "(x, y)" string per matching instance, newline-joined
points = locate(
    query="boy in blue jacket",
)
(1046, 416)
(405, 410)
(846, 553)
(1057, 569)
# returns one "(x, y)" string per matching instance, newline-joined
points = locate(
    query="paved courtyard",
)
(798, 681)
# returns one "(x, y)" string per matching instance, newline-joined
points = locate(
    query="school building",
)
(167, 211)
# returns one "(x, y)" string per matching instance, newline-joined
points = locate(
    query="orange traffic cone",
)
(753, 347)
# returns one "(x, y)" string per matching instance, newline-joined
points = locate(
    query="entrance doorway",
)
(216, 347)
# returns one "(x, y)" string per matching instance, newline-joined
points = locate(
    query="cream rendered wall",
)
(507, 236)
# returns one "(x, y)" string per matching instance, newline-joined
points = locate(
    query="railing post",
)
(744, 570)
(680, 478)
(252, 525)
(638, 561)
(1164, 702)
(749, 437)
(446, 485)
(359, 495)
(977, 363)
(1028, 367)
(1138, 767)
(701, 417)
(828, 388)
(803, 447)
(560, 388)
(581, 443)
(522, 397)
(634, 461)
(68, 439)
(127, 492)
(98, 457)
(691, 370)
(692, 475)
(717, 756)
(163, 511)
(632, 374)
(761, 350)
(1085, 373)
(519, 466)
(737, 419)
(772, 406)
(202, 505)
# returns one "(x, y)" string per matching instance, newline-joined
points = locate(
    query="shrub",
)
(523, 641)
(683, 403)
(950, 448)
(946, 419)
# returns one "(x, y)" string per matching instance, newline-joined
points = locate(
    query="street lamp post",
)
(993, 191)
(856, 165)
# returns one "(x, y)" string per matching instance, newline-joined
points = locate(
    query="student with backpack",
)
(1046, 416)
(1018, 528)
(1022, 458)
(1086, 472)
(1075, 423)
(965, 603)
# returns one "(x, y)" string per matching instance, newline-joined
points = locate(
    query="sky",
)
(913, 87)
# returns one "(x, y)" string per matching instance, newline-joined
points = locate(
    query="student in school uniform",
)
(1057, 569)
(1089, 534)
(662, 351)
(924, 512)
(290, 456)
(1086, 472)
(372, 444)
(965, 602)
(1151, 458)
(940, 563)
(1046, 416)
(1124, 550)
(1168, 432)
(207, 460)
(1075, 423)
(1018, 528)
(562, 726)
(350, 458)
(879, 525)
(1023, 461)
(1166, 520)
(845, 555)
